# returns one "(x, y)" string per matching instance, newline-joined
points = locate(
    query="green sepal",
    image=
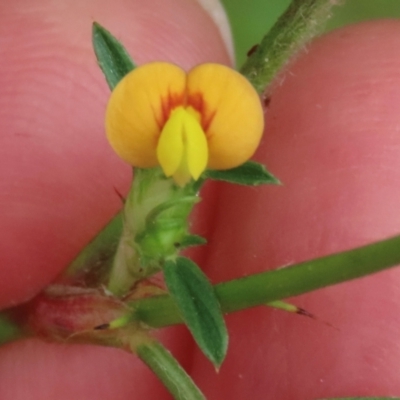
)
(165, 229)
(199, 306)
(112, 57)
(250, 173)
(192, 240)
(157, 215)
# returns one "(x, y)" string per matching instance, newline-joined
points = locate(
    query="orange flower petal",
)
(232, 116)
(138, 108)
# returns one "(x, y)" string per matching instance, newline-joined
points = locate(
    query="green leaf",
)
(192, 240)
(112, 57)
(250, 173)
(200, 309)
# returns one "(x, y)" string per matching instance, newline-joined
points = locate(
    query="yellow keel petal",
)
(182, 147)
(195, 145)
(170, 146)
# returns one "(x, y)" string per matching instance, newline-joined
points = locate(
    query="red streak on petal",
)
(168, 103)
(196, 100)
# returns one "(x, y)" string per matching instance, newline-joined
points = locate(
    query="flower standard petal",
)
(139, 107)
(232, 116)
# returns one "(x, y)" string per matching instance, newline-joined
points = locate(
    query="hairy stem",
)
(154, 225)
(265, 287)
(300, 22)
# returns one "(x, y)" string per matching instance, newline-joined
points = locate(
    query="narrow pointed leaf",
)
(192, 240)
(200, 309)
(112, 57)
(250, 173)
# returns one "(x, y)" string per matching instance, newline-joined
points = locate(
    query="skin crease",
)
(331, 137)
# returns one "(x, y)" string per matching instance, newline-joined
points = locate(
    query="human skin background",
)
(332, 137)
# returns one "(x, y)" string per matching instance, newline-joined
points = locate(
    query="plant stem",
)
(168, 370)
(154, 224)
(9, 330)
(300, 22)
(96, 258)
(265, 287)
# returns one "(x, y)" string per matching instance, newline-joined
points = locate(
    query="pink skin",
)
(331, 137)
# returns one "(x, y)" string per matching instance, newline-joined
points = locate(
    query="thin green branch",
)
(96, 257)
(274, 285)
(9, 330)
(301, 21)
(168, 370)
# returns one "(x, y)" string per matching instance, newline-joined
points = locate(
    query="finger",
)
(332, 138)
(58, 173)
(51, 379)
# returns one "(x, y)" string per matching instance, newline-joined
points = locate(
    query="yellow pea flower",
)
(210, 117)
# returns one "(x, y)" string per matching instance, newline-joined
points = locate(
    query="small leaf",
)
(250, 173)
(112, 57)
(192, 240)
(200, 309)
